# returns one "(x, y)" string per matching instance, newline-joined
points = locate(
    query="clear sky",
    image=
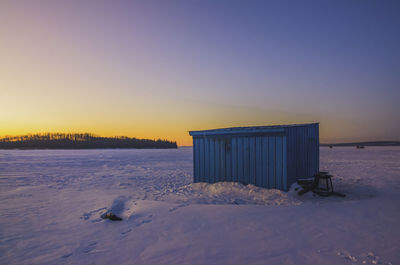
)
(157, 69)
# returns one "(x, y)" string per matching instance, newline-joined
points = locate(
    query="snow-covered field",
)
(51, 202)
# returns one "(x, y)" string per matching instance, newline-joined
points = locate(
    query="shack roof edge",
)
(248, 129)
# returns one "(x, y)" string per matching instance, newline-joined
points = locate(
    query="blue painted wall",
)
(270, 157)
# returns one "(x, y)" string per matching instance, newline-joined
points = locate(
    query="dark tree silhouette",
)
(79, 141)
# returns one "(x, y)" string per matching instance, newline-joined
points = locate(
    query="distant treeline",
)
(78, 141)
(375, 143)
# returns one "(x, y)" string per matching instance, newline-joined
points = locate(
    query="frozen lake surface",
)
(51, 202)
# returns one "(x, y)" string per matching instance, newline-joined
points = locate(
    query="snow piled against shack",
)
(51, 203)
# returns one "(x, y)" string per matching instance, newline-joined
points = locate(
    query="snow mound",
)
(232, 193)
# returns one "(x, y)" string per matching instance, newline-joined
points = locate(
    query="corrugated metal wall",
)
(270, 160)
(257, 160)
(302, 151)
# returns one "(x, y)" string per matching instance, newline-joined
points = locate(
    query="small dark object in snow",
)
(321, 185)
(111, 216)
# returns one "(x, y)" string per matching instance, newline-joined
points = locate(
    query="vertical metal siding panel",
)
(298, 159)
(312, 169)
(228, 160)
(196, 152)
(240, 159)
(288, 155)
(194, 159)
(305, 151)
(246, 160)
(201, 159)
(313, 164)
(207, 160)
(294, 156)
(291, 152)
(259, 162)
(310, 150)
(252, 158)
(216, 160)
(301, 155)
(222, 159)
(295, 160)
(198, 147)
(271, 162)
(313, 157)
(306, 147)
(217, 173)
(265, 160)
(291, 155)
(284, 164)
(310, 147)
(295, 152)
(212, 159)
(234, 159)
(279, 162)
(315, 152)
(317, 149)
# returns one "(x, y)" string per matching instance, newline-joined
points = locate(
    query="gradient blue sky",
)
(155, 69)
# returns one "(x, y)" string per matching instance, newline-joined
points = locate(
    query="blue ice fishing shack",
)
(265, 156)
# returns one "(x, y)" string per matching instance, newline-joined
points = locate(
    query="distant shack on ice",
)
(265, 156)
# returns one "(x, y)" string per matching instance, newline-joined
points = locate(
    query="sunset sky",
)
(157, 69)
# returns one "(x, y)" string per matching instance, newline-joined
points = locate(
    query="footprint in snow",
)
(90, 247)
(88, 215)
(139, 219)
(178, 206)
(67, 255)
(126, 231)
(145, 222)
(137, 224)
